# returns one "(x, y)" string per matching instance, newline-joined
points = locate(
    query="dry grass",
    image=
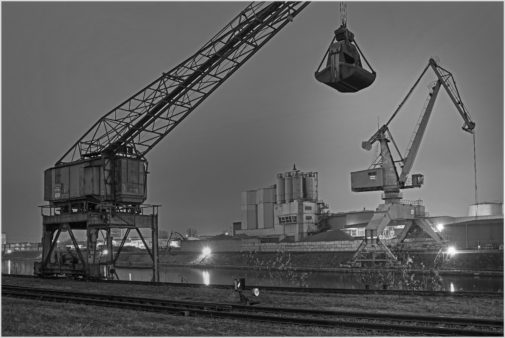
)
(22, 318)
(28, 318)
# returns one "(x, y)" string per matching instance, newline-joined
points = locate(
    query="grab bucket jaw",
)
(343, 70)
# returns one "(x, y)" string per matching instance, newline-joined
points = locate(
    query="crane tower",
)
(391, 175)
(99, 185)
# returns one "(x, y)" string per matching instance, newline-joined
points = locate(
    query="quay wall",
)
(252, 245)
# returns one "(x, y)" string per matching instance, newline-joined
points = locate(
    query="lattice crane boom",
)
(390, 180)
(140, 122)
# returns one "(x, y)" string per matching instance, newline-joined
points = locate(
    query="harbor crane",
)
(391, 175)
(99, 185)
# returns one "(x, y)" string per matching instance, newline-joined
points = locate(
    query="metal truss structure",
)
(99, 184)
(139, 123)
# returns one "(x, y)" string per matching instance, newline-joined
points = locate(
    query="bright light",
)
(440, 227)
(452, 287)
(175, 244)
(206, 251)
(206, 277)
(9, 251)
(256, 292)
(451, 251)
(105, 252)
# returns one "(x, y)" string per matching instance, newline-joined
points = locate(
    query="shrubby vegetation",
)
(277, 268)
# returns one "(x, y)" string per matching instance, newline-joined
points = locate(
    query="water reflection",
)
(206, 277)
(17, 267)
(256, 277)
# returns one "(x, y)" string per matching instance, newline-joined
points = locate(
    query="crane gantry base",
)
(95, 260)
(375, 250)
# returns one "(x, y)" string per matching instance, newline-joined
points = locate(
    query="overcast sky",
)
(64, 65)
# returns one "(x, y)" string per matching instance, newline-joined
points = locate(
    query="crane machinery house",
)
(99, 184)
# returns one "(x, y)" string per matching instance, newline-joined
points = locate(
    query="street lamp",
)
(451, 251)
(206, 251)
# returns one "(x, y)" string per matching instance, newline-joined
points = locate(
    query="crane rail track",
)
(383, 322)
(300, 289)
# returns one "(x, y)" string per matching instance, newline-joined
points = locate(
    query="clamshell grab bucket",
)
(343, 70)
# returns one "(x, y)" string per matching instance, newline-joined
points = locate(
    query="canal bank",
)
(483, 263)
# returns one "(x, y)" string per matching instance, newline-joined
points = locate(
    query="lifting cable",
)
(364, 58)
(475, 172)
(343, 13)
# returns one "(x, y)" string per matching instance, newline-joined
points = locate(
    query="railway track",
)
(304, 289)
(376, 322)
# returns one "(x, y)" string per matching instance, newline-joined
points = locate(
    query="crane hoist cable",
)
(343, 13)
(475, 173)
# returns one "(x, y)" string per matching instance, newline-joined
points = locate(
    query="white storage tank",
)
(249, 197)
(265, 215)
(252, 216)
(311, 186)
(288, 187)
(297, 186)
(280, 189)
(265, 195)
(486, 209)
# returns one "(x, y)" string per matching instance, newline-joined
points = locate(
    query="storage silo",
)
(297, 186)
(280, 189)
(486, 209)
(311, 186)
(252, 216)
(249, 197)
(265, 215)
(288, 187)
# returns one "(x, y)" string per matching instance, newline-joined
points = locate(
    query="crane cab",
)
(344, 71)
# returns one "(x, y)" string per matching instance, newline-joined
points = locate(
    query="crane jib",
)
(382, 174)
(195, 76)
(136, 125)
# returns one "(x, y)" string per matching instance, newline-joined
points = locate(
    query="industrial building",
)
(481, 229)
(288, 210)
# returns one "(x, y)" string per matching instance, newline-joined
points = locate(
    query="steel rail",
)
(369, 315)
(298, 289)
(363, 320)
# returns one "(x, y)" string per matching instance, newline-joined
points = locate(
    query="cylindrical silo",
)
(486, 209)
(309, 186)
(312, 186)
(297, 186)
(252, 216)
(288, 187)
(280, 189)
